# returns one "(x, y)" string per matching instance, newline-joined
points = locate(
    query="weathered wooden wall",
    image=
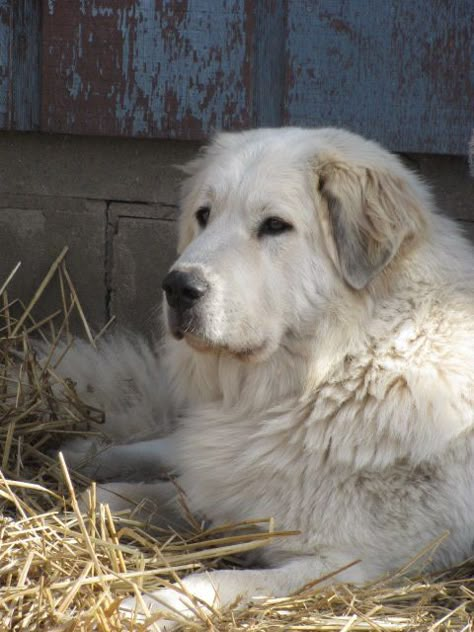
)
(140, 68)
(399, 71)
(20, 74)
(4, 61)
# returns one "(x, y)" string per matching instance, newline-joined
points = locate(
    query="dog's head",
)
(277, 224)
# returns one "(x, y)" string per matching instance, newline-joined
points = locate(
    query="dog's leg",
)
(220, 589)
(157, 503)
(140, 461)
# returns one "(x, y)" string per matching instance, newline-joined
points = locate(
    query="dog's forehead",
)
(260, 169)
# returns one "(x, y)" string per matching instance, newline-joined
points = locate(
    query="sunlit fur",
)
(334, 386)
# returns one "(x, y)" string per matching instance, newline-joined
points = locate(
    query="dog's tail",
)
(122, 377)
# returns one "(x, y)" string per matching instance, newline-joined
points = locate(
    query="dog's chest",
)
(243, 467)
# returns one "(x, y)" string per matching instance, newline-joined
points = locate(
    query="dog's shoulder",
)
(406, 389)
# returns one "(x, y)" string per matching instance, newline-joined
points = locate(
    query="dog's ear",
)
(371, 213)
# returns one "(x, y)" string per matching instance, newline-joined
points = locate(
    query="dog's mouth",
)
(201, 344)
(185, 326)
(188, 331)
(178, 324)
(244, 354)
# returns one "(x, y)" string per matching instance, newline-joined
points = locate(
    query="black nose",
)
(183, 289)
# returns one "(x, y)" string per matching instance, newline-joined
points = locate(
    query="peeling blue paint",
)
(100, 11)
(399, 72)
(19, 64)
(161, 49)
(148, 51)
(75, 80)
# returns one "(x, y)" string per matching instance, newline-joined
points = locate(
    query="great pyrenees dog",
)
(318, 367)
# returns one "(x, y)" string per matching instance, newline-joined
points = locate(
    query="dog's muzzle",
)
(183, 291)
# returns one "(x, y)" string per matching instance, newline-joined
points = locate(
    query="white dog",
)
(319, 364)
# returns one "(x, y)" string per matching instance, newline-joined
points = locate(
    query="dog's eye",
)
(202, 216)
(273, 226)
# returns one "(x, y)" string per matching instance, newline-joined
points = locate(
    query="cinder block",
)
(92, 167)
(143, 249)
(35, 230)
(142, 211)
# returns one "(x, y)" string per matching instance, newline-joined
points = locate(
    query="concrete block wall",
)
(113, 202)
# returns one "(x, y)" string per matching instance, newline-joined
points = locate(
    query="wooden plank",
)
(270, 61)
(399, 72)
(169, 68)
(25, 65)
(5, 15)
(19, 64)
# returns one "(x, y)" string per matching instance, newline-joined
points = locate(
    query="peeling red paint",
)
(340, 26)
(401, 73)
(5, 15)
(97, 77)
(99, 63)
(174, 68)
(336, 23)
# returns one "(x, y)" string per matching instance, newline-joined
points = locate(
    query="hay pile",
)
(64, 570)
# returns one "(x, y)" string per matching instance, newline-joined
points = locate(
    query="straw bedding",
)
(61, 569)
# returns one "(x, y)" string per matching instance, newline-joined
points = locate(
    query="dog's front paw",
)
(81, 455)
(173, 603)
(167, 601)
(115, 495)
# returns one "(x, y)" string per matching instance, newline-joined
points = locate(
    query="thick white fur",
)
(330, 383)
